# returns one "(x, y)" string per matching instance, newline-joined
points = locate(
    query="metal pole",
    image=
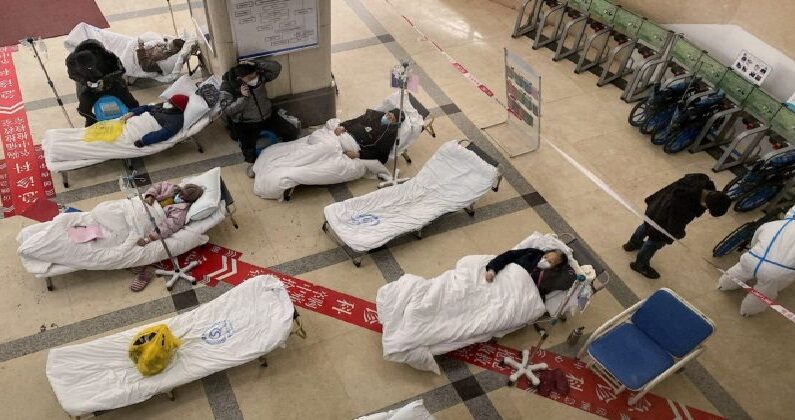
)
(403, 82)
(32, 43)
(173, 260)
(173, 22)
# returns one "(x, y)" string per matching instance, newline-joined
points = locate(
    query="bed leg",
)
(234, 222)
(429, 128)
(357, 261)
(418, 233)
(48, 281)
(199, 147)
(263, 362)
(288, 194)
(65, 179)
(170, 395)
(496, 187)
(470, 209)
(406, 156)
(325, 226)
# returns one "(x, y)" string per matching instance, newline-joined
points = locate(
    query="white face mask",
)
(178, 199)
(253, 82)
(168, 105)
(544, 264)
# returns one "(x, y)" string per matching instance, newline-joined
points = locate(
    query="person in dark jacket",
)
(244, 99)
(97, 72)
(546, 268)
(672, 208)
(374, 131)
(170, 116)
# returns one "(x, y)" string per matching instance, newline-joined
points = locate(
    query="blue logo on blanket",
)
(218, 333)
(366, 219)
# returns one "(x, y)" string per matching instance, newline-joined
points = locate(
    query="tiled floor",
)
(338, 372)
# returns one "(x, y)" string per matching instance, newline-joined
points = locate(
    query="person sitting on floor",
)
(546, 268)
(374, 131)
(175, 201)
(169, 115)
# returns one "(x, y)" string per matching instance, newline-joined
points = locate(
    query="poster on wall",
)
(272, 27)
(520, 133)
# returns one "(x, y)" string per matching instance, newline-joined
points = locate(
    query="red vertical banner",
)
(24, 170)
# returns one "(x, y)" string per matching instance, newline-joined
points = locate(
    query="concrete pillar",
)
(304, 86)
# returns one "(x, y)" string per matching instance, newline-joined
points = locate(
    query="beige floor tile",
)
(22, 379)
(347, 26)
(362, 282)
(513, 403)
(435, 254)
(456, 412)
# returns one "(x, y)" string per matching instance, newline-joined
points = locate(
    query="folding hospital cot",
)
(454, 178)
(65, 149)
(45, 250)
(125, 47)
(276, 170)
(242, 325)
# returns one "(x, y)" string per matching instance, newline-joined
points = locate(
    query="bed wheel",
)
(470, 210)
(65, 179)
(325, 226)
(418, 234)
(170, 395)
(263, 362)
(357, 262)
(199, 147)
(48, 281)
(496, 187)
(406, 157)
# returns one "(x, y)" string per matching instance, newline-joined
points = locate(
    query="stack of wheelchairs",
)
(675, 115)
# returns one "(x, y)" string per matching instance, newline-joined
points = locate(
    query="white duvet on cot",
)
(316, 159)
(452, 179)
(426, 317)
(122, 222)
(244, 323)
(411, 411)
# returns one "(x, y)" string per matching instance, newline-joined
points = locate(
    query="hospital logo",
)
(365, 219)
(218, 333)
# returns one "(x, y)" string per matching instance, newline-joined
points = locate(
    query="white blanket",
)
(316, 159)
(453, 178)
(426, 317)
(45, 249)
(125, 48)
(411, 411)
(244, 323)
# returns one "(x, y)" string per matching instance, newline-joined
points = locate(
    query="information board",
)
(272, 27)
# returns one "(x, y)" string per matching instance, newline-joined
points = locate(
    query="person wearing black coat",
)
(546, 268)
(374, 131)
(672, 208)
(97, 72)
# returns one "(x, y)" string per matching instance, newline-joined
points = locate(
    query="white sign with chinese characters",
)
(273, 27)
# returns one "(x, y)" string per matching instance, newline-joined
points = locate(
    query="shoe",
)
(138, 144)
(647, 271)
(630, 247)
(143, 279)
(250, 170)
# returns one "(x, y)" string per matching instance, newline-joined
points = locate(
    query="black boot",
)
(646, 271)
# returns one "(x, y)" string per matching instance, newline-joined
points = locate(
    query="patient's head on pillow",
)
(556, 258)
(189, 193)
(392, 115)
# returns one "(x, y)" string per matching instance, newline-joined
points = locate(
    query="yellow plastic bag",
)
(152, 349)
(107, 131)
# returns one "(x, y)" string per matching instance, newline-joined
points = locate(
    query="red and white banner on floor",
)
(588, 392)
(24, 178)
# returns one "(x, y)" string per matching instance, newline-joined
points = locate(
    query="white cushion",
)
(184, 85)
(208, 203)
(197, 108)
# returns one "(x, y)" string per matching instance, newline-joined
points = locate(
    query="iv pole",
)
(176, 272)
(402, 77)
(30, 41)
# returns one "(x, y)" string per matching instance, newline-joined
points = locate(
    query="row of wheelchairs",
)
(676, 115)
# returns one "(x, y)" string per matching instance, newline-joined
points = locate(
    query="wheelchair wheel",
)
(656, 122)
(660, 137)
(735, 241)
(757, 197)
(682, 140)
(638, 114)
(734, 188)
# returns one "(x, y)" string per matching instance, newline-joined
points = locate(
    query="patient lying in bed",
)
(176, 202)
(374, 132)
(547, 269)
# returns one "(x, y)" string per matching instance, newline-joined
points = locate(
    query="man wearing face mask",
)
(248, 109)
(672, 208)
(169, 115)
(374, 131)
(543, 267)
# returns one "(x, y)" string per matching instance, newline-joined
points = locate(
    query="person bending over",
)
(175, 201)
(153, 54)
(374, 131)
(248, 109)
(169, 115)
(546, 268)
(672, 208)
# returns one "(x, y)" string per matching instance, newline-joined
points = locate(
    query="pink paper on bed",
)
(82, 234)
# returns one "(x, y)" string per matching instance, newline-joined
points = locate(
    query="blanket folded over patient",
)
(426, 317)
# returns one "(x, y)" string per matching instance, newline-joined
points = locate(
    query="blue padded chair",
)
(648, 342)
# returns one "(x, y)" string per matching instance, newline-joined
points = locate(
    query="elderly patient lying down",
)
(338, 152)
(482, 297)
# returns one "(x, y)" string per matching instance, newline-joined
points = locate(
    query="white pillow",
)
(208, 203)
(184, 85)
(197, 108)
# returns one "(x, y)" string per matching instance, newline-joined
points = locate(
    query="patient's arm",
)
(502, 260)
(160, 190)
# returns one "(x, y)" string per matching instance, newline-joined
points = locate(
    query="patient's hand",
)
(149, 200)
(126, 116)
(490, 276)
(339, 130)
(352, 154)
(142, 242)
(244, 90)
